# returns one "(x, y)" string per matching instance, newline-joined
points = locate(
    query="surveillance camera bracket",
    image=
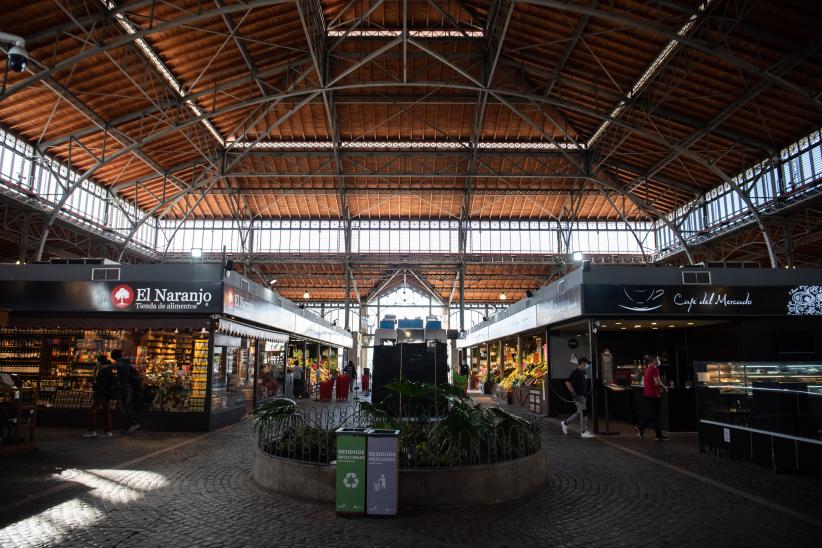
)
(8, 38)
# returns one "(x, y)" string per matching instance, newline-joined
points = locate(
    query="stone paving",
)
(152, 489)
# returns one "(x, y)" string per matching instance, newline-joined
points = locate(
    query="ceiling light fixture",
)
(502, 296)
(578, 256)
(196, 253)
(273, 281)
(306, 295)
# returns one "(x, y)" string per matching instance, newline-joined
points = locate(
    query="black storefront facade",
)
(206, 340)
(710, 329)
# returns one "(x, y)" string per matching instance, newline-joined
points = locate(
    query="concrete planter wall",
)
(419, 488)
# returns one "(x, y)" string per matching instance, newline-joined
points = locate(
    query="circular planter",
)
(419, 488)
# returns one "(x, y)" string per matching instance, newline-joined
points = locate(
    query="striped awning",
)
(238, 329)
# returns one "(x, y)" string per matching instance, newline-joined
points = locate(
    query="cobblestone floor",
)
(152, 489)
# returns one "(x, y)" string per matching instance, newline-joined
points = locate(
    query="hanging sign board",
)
(120, 296)
(703, 300)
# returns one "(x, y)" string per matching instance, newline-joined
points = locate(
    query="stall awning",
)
(231, 327)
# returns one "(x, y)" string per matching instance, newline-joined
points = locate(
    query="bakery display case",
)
(779, 397)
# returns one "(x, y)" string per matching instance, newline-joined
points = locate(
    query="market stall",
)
(619, 317)
(198, 334)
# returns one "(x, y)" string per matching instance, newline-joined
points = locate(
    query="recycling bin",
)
(382, 491)
(351, 479)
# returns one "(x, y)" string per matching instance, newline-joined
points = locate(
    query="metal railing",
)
(310, 436)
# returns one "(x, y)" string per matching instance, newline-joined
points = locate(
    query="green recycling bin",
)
(351, 448)
(383, 472)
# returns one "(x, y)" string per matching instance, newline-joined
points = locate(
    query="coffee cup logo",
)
(122, 296)
(643, 299)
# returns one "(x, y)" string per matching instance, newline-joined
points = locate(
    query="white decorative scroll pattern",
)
(805, 300)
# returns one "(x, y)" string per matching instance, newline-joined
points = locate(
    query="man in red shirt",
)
(652, 389)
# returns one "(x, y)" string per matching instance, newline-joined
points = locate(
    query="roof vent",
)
(244, 285)
(105, 274)
(696, 278)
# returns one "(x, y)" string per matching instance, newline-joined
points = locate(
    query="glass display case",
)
(738, 377)
(172, 364)
(272, 361)
(779, 397)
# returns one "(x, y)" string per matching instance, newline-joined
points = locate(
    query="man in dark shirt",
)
(351, 371)
(105, 390)
(577, 384)
(128, 380)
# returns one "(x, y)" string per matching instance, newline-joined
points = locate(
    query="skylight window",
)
(162, 69)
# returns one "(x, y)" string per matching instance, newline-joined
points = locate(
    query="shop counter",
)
(677, 413)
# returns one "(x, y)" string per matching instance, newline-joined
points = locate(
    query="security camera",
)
(18, 58)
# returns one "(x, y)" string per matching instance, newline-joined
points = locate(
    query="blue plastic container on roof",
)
(387, 324)
(416, 323)
(433, 324)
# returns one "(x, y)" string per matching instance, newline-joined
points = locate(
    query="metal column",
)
(595, 383)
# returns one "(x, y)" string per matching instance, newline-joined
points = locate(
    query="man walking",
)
(128, 380)
(351, 371)
(652, 388)
(577, 384)
(105, 390)
(297, 375)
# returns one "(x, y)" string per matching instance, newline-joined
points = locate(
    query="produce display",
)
(529, 375)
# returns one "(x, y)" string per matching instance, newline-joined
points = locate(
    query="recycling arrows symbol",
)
(351, 480)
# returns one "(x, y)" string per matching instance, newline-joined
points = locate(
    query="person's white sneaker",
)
(564, 428)
(587, 435)
(90, 435)
(107, 434)
(133, 428)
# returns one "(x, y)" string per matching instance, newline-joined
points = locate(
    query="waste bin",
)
(383, 472)
(326, 389)
(351, 478)
(343, 382)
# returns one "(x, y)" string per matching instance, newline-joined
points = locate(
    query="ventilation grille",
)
(696, 278)
(244, 285)
(105, 274)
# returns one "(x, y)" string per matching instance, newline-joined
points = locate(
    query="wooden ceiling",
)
(366, 109)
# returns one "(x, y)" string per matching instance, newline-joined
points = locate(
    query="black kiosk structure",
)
(733, 343)
(205, 339)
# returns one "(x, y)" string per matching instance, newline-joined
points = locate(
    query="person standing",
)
(105, 390)
(128, 381)
(297, 375)
(652, 389)
(577, 384)
(351, 371)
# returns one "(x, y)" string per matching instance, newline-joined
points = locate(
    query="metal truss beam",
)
(402, 260)
(70, 238)
(630, 22)
(190, 18)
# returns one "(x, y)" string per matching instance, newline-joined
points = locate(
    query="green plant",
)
(274, 411)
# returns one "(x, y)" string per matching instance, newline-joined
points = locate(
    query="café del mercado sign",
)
(646, 300)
